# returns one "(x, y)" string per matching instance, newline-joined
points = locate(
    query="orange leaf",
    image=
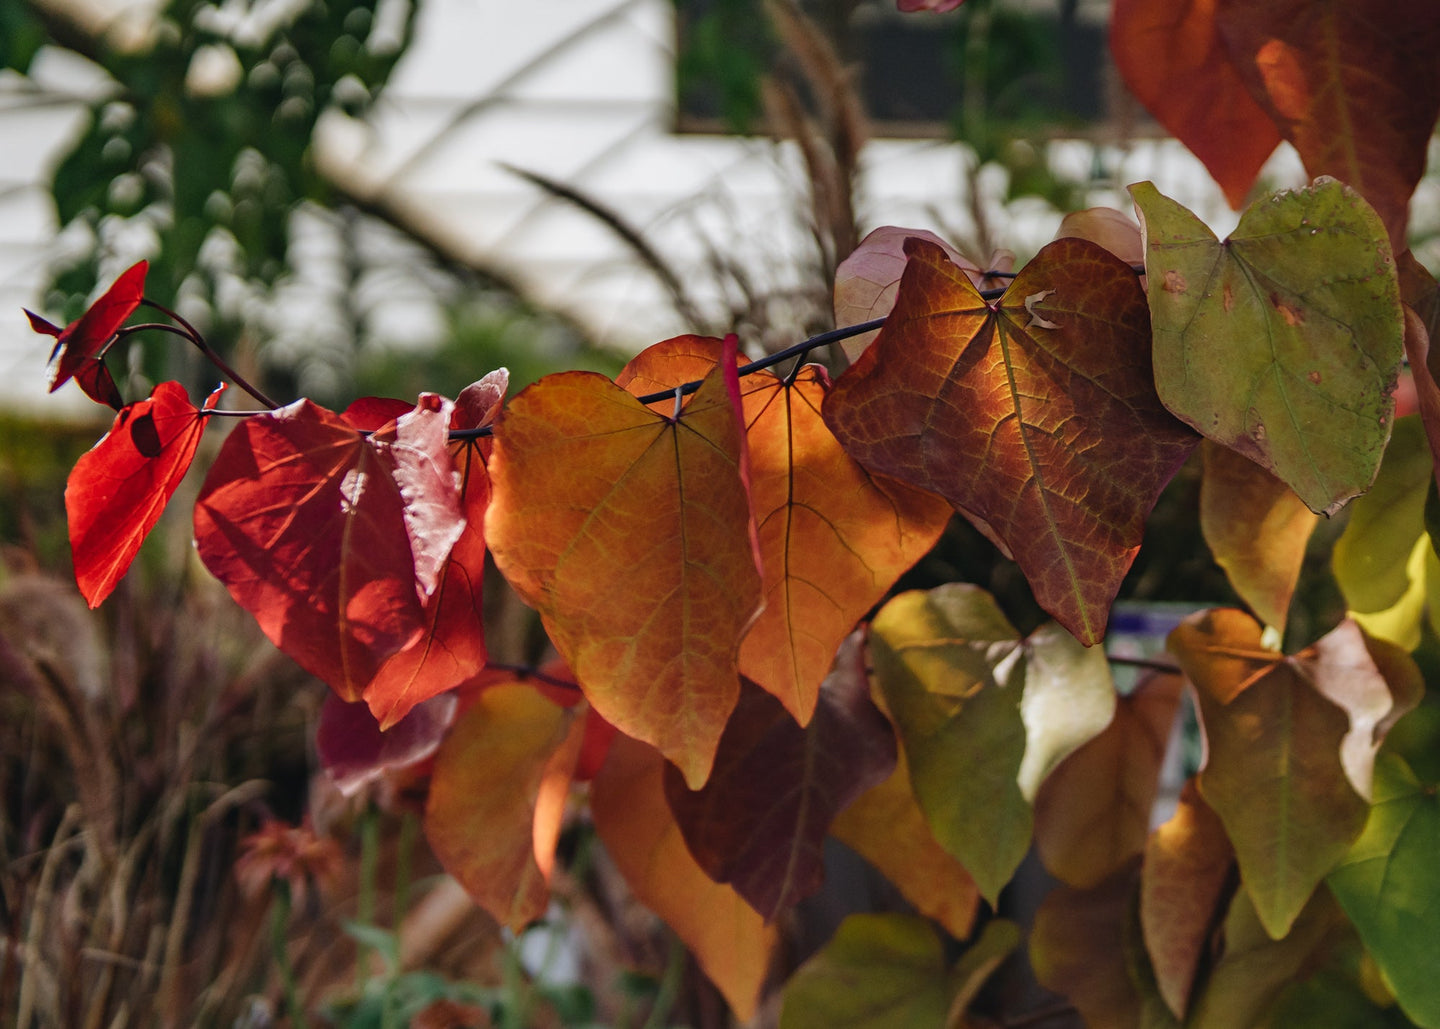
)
(117, 491)
(730, 941)
(833, 537)
(630, 533)
(1093, 812)
(1034, 415)
(1172, 57)
(303, 523)
(1183, 882)
(1324, 71)
(496, 797)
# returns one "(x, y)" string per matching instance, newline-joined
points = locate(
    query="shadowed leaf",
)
(1283, 342)
(1034, 415)
(1093, 812)
(1106, 227)
(488, 817)
(117, 491)
(1172, 57)
(760, 821)
(630, 533)
(355, 751)
(301, 520)
(1257, 530)
(1388, 886)
(877, 971)
(1273, 770)
(1183, 889)
(729, 940)
(1324, 71)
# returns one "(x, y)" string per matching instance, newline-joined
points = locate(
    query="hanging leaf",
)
(1035, 416)
(1173, 58)
(79, 345)
(492, 817)
(630, 533)
(301, 520)
(1069, 699)
(1323, 71)
(1388, 886)
(1283, 342)
(948, 664)
(760, 821)
(1092, 813)
(729, 940)
(117, 491)
(1273, 771)
(1256, 528)
(355, 751)
(833, 537)
(1185, 883)
(451, 650)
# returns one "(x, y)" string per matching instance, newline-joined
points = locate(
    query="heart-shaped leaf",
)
(630, 532)
(1284, 341)
(1034, 415)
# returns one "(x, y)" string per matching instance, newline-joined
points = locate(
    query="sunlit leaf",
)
(486, 817)
(1379, 560)
(302, 522)
(1325, 71)
(833, 537)
(1034, 415)
(1093, 812)
(630, 533)
(877, 971)
(117, 491)
(1388, 886)
(1273, 770)
(760, 821)
(79, 345)
(452, 648)
(1257, 530)
(355, 751)
(1172, 57)
(729, 940)
(1185, 880)
(1106, 227)
(1284, 341)
(1069, 700)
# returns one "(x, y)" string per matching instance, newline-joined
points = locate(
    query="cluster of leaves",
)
(706, 543)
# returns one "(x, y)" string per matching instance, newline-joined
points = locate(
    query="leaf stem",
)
(193, 335)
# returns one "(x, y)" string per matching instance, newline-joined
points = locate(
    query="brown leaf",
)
(760, 821)
(1093, 812)
(1052, 441)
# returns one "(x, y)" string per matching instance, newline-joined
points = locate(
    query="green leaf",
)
(1389, 885)
(1284, 341)
(877, 971)
(946, 662)
(1069, 700)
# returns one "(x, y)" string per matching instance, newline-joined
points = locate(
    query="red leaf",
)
(1172, 57)
(117, 491)
(355, 750)
(85, 338)
(370, 414)
(759, 822)
(301, 520)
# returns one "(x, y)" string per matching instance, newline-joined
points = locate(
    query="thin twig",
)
(193, 335)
